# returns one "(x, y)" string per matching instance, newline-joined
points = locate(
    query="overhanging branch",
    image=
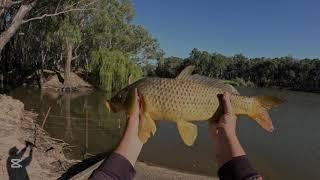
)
(55, 14)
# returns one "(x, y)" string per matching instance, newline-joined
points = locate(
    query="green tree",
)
(68, 37)
(169, 67)
(284, 72)
(113, 69)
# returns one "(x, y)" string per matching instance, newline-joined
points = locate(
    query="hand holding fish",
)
(226, 124)
(131, 145)
(225, 141)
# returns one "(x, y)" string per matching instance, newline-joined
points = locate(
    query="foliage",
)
(169, 67)
(285, 72)
(114, 69)
(104, 27)
(240, 82)
(110, 28)
(67, 32)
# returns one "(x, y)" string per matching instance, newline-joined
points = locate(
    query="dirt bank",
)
(77, 83)
(44, 161)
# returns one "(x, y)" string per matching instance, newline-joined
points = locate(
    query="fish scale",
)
(182, 99)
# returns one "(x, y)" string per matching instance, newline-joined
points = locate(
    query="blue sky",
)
(256, 28)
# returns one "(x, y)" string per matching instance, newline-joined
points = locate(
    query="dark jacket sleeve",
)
(116, 167)
(239, 168)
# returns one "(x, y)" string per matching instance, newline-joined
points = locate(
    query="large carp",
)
(188, 98)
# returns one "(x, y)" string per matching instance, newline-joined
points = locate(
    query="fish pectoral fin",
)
(188, 132)
(152, 124)
(147, 127)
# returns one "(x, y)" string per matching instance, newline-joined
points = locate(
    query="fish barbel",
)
(188, 98)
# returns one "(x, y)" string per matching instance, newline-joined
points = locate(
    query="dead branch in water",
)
(51, 149)
(45, 118)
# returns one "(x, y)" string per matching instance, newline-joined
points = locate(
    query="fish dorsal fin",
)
(217, 83)
(186, 72)
(188, 132)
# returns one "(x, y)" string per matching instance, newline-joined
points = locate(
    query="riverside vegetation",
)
(283, 72)
(98, 40)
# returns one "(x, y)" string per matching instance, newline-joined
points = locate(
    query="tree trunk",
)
(39, 77)
(24, 9)
(67, 68)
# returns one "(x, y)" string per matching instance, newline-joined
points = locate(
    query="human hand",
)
(135, 118)
(130, 145)
(225, 142)
(226, 124)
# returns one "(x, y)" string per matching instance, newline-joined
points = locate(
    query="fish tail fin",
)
(260, 110)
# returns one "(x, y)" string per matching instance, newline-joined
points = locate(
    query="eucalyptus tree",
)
(16, 13)
(25, 25)
(117, 45)
(68, 37)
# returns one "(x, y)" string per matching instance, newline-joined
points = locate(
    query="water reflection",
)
(80, 119)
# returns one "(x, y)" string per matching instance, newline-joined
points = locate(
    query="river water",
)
(292, 151)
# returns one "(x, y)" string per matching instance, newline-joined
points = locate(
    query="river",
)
(292, 151)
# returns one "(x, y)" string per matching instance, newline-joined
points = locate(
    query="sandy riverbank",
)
(149, 172)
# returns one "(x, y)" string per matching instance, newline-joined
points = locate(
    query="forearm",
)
(230, 155)
(120, 165)
(231, 142)
(227, 146)
(130, 145)
(232, 159)
(129, 149)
